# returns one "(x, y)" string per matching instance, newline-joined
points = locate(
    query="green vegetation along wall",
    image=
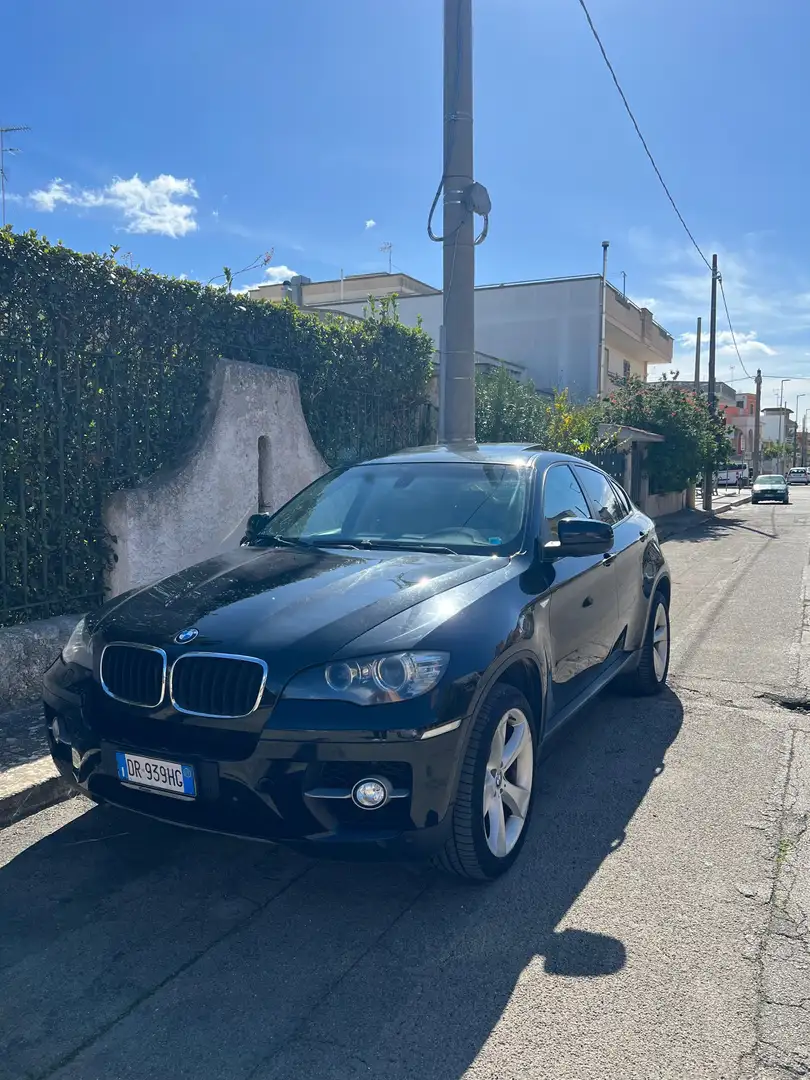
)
(104, 372)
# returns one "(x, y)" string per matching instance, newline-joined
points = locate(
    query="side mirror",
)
(581, 536)
(255, 525)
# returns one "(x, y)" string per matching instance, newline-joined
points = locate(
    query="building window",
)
(626, 369)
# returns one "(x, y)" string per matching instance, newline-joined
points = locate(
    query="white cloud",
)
(370, 224)
(158, 206)
(276, 274)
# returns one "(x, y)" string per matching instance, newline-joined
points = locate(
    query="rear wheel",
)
(494, 798)
(650, 676)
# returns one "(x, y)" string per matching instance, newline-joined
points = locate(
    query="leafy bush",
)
(507, 410)
(104, 375)
(694, 439)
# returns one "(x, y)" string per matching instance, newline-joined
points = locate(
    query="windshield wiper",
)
(385, 545)
(271, 540)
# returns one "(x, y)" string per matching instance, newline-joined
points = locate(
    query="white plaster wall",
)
(184, 515)
(668, 503)
(551, 328)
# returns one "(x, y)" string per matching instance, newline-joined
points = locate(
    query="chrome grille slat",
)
(219, 686)
(133, 674)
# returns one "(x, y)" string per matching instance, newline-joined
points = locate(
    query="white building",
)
(549, 329)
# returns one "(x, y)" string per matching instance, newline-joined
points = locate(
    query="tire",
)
(650, 677)
(754, 502)
(469, 853)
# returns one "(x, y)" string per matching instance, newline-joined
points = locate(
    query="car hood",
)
(267, 602)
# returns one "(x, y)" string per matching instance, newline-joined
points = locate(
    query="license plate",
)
(158, 775)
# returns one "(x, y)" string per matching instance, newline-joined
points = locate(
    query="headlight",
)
(372, 680)
(77, 650)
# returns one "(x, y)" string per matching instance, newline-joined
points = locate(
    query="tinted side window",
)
(625, 506)
(601, 493)
(562, 498)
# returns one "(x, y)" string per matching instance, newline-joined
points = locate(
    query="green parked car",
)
(770, 488)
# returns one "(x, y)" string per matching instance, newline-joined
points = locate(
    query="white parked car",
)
(798, 476)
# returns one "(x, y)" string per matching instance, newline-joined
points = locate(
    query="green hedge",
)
(104, 373)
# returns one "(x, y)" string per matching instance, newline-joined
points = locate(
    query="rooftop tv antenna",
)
(4, 131)
(388, 249)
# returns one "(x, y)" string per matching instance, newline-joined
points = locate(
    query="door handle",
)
(608, 559)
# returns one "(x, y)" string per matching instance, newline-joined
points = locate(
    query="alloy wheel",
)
(508, 782)
(660, 642)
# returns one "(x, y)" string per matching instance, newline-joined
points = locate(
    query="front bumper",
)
(288, 785)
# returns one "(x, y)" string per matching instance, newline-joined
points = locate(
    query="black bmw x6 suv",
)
(376, 668)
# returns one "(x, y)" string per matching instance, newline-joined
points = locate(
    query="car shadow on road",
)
(716, 528)
(322, 969)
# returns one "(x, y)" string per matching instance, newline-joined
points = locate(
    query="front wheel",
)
(494, 798)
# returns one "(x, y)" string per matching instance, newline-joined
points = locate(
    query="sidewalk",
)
(29, 780)
(684, 520)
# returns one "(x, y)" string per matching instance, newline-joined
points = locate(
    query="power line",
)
(660, 177)
(647, 150)
(731, 328)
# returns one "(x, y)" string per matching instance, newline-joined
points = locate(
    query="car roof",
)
(479, 453)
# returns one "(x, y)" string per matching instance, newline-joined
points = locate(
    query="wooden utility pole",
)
(697, 356)
(757, 463)
(708, 478)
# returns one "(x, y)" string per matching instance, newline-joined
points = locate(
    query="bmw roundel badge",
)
(185, 636)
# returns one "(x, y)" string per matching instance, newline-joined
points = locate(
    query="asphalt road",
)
(654, 927)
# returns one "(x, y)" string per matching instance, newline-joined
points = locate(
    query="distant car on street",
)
(377, 666)
(798, 475)
(770, 488)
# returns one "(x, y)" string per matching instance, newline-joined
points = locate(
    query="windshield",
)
(765, 481)
(467, 507)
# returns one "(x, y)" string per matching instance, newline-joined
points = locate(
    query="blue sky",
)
(200, 134)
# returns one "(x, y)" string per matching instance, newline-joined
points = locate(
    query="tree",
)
(694, 438)
(772, 450)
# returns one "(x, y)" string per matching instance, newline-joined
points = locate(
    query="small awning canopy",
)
(625, 436)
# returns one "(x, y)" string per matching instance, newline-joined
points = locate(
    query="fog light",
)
(57, 734)
(370, 794)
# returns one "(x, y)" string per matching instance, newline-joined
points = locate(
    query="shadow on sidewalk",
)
(107, 936)
(699, 527)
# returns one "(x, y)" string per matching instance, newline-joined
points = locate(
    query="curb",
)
(27, 789)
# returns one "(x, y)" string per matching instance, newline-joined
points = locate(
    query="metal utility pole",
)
(708, 479)
(757, 462)
(3, 151)
(780, 459)
(459, 234)
(804, 439)
(697, 356)
(602, 381)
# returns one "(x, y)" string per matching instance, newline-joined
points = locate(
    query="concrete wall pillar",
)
(254, 451)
